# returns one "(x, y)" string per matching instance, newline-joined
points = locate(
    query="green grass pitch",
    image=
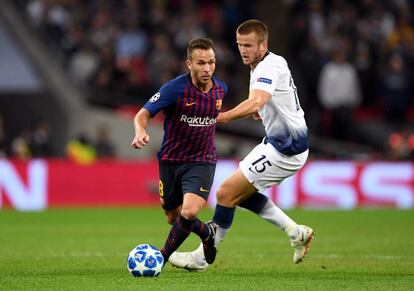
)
(86, 249)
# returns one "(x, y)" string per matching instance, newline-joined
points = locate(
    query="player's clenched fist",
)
(140, 140)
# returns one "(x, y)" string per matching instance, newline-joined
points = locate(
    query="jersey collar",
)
(265, 55)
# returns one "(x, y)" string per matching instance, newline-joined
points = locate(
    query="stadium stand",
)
(117, 53)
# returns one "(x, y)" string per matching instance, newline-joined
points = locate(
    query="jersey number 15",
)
(259, 166)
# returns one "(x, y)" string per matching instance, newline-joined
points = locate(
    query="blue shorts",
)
(179, 179)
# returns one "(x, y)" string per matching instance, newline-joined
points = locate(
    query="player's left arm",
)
(257, 98)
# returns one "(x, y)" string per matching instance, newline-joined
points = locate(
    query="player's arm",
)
(141, 120)
(257, 98)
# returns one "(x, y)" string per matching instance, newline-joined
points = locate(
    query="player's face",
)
(251, 48)
(202, 66)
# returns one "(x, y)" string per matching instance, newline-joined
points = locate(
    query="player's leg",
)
(184, 223)
(171, 199)
(265, 167)
(233, 190)
(197, 180)
(230, 193)
(300, 235)
(266, 209)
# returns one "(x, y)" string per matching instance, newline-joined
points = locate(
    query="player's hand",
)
(140, 140)
(256, 116)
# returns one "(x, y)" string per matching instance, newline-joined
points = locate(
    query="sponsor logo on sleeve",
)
(264, 80)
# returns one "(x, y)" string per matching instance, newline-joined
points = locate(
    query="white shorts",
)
(264, 166)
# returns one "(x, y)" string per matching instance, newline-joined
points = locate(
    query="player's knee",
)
(190, 213)
(224, 197)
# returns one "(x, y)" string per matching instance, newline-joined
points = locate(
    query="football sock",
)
(201, 229)
(266, 209)
(223, 217)
(179, 231)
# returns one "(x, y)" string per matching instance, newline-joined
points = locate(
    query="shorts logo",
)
(264, 80)
(155, 97)
(219, 103)
(190, 103)
(203, 190)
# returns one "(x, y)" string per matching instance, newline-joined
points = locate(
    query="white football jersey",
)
(282, 116)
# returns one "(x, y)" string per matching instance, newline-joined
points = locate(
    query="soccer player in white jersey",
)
(273, 99)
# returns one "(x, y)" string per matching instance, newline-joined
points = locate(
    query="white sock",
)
(276, 216)
(220, 234)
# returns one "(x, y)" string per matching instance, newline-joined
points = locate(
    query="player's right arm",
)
(257, 99)
(141, 137)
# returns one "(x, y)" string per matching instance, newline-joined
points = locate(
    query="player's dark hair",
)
(203, 43)
(256, 26)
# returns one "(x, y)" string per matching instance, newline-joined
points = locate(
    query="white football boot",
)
(301, 243)
(192, 261)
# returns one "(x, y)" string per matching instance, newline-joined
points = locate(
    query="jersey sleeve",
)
(265, 78)
(167, 95)
(223, 85)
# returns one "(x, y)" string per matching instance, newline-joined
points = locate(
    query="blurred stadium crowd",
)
(125, 50)
(353, 61)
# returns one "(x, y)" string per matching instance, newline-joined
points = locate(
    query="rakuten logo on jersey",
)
(197, 121)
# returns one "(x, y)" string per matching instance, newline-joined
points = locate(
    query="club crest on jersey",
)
(155, 97)
(219, 103)
(264, 80)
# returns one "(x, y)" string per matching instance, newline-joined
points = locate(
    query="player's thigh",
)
(234, 189)
(197, 178)
(170, 191)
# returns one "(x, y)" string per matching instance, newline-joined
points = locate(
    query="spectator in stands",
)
(162, 60)
(189, 26)
(339, 93)
(80, 150)
(103, 145)
(131, 41)
(40, 141)
(396, 90)
(401, 144)
(20, 148)
(83, 64)
(120, 31)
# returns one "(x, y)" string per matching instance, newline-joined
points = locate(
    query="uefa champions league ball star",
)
(145, 260)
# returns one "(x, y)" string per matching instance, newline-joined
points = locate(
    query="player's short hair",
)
(256, 26)
(203, 43)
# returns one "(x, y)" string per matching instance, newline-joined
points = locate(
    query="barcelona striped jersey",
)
(189, 119)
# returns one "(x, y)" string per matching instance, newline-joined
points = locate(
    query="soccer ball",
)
(145, 261)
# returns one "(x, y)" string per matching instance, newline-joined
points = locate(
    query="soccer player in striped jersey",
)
(187, 157)
(284, 150)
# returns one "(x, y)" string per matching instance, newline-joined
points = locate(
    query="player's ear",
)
(264, 45)
(188, 63)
